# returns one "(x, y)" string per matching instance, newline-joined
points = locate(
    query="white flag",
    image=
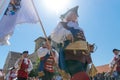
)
(18, 11)
(3, 5)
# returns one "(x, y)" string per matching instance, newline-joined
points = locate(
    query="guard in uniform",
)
(24, 66)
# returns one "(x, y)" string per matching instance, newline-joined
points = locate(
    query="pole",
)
(40, 22)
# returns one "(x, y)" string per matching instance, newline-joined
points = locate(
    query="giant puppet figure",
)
(69, 39)
(48, 61)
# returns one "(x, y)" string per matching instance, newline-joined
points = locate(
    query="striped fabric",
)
(49, 64)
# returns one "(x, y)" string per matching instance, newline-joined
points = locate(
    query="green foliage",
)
(34, 72)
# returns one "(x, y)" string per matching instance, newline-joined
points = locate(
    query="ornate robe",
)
(70, 62)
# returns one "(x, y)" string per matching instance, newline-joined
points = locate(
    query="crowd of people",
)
(105, 76)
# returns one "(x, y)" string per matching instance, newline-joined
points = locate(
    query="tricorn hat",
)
(74, 9)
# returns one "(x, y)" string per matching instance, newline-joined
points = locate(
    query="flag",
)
(17, 12)
(27, 13)
(3, 5)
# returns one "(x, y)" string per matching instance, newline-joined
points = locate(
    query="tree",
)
(34, 72)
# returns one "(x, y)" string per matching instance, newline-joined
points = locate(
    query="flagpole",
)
(40, 22)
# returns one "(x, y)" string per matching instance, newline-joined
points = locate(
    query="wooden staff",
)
(40, 22)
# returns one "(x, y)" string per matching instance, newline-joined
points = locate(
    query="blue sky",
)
(100, 20)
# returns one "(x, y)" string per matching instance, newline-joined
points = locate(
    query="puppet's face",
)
(46, 44)
(71, 16)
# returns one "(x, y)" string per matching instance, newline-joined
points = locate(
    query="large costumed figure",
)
(74, 51)
(48, 61)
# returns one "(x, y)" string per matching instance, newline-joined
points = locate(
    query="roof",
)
(39, 38)
(103, 68)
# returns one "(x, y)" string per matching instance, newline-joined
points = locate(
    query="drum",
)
(80, 76)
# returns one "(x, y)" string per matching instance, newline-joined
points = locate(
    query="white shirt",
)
(59, 34)
(30, 66)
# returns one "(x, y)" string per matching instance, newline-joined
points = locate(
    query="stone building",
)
(11, 59)
(38, 43)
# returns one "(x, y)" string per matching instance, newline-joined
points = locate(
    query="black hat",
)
(25, 52)
(116, 50)
(74, 9)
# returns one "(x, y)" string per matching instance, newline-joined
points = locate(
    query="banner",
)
(3, 5)
(17, 12)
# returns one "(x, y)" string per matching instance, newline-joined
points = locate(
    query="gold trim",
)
(78, 45)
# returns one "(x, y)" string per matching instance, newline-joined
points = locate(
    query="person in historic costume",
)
(115, 62)
(12, 74)
(48, 61)
(71, 61)
(24, 66)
